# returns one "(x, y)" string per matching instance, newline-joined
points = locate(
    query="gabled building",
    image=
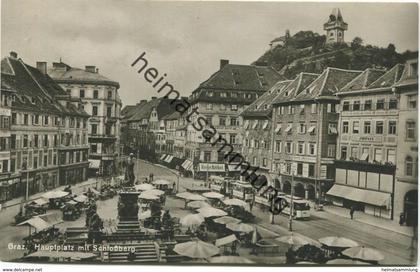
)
(256, 132)
(146, 128)
(100, 99)
(48, 131)
(367, 143)
(305, 125)
(406, 180)
(220, 99)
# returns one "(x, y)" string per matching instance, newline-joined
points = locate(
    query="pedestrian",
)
(402, 219)
(352, 212)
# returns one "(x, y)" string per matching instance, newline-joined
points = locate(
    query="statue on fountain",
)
(129, 171)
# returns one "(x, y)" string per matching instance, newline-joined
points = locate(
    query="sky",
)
(185, 40)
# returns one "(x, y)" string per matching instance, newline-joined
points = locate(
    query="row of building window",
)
(95, 94)
(223, 107)
(36, 141)
(36, 160)
(379, 128)
(301, 109)
(380, 104)
(37, 119)
(353, 153)
(231, 94)
(299, 148)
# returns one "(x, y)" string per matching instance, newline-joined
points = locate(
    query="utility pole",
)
(291, 203)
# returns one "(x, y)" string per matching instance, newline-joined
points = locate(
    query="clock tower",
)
(335, 27)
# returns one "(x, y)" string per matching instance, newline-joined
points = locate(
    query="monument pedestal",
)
(128, 209)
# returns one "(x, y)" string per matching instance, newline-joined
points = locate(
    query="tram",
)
(301, 208)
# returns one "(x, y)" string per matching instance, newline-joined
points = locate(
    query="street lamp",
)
(25, 168)
(291, 202)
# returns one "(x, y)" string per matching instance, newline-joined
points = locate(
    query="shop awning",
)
(278, 128)
(234, 168)
(265, 125)
(212, 167)
(375, 198)
(246, 125)
(255, 124)
(364, 156)
(94, 164)
(311, 129)
(187, 165)
(169, 158)
(289, 127)
(333, 130)
(162, 157)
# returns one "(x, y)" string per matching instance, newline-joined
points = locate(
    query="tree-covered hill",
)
(306, 51)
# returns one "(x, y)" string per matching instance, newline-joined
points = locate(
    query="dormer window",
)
(210, 94)
(33, 100)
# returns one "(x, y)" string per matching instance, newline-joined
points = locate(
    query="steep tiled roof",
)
(234, 77)
(389, 78)
(243, 77)
(328, 83)
(295, 87)
(172, 116)
(34, 90)
(128, 110)
(263, 105)
(143, 111)
(68, 74)
(410, 73)
(363, 80)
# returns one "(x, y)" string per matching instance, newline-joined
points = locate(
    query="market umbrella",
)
(196, 249)
(347, 262)
(155, 192)
(210, 212)
(197, 204)
(183, 195)
(144, 187)
(240, 227)
(195, 197)
(226, 220)
(294, 240)
(40, 201)
(335, 241)
(230, 260)
(306, 262)
(80, 198)
(192, 220)
(363, 253)
(147, 214)
(236, 202)
(55, 194)
(213, 195)
(162, 182)
(148, 196)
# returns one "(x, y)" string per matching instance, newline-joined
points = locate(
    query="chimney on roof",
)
(223, 62)
(13, 54)
(42, 67)
(154, 97)
(90, 68)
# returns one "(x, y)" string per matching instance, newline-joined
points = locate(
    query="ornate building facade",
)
(101, 101)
